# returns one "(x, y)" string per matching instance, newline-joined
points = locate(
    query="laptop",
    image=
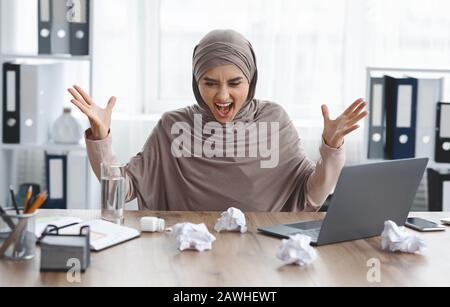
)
(365, 197)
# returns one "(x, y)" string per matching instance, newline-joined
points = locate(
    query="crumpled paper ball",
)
(193, 237)
(231, 220)
(394, 238)
(297, 250)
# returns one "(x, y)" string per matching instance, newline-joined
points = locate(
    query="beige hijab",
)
(201, 183)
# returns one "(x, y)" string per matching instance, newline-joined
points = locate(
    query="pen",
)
(7, 220)
(13, 197)
(13, 237)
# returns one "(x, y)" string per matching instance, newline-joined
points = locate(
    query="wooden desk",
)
(240, 259)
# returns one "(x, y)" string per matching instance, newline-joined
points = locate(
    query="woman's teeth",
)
(223, 105)
(224, 108)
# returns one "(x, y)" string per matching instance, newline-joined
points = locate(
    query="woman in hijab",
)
(229, 149)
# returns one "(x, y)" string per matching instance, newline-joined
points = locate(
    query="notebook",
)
(104, 234)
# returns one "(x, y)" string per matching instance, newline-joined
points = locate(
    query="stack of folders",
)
(62, 252)
(64, 27)
(405, 119)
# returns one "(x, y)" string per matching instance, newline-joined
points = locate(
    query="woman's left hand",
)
(335, 130)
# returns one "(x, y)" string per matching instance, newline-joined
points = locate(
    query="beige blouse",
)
(323, 177)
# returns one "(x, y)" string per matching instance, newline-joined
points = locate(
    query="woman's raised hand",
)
(336, 129)
(99, 118)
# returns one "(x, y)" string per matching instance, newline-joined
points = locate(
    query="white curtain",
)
(309, 52)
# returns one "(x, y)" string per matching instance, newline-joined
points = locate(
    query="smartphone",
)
(420, 224)
(446, 221)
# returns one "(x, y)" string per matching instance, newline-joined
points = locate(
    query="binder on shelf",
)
(438, 190)
(33, 97)
(400, 98)
(77, 166)
(428, 95)
(64, 27)
(442, 150)
(56, 179)
(79, 26)
(11, 104)
(377, 120)
(45, 26)
(60, 33)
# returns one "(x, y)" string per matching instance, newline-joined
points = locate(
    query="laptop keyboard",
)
(313, 233)
(310, 225)
(311, 228)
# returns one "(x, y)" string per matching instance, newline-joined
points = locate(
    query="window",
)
(309, 52)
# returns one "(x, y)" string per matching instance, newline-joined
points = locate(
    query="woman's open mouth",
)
(224, 109)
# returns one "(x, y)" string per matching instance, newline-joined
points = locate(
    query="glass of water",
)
(113, 192)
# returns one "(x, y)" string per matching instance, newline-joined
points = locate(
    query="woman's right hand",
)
(99, 118)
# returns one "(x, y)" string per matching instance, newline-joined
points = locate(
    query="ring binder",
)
(400, 96)
(11, 103)
(56, 171)
(45, 26)
(79, 26)
(377, 120)
(442, 151)
(429, 94)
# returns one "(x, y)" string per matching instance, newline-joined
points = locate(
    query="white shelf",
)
(47, 147)
(65, 57)
(10, 152)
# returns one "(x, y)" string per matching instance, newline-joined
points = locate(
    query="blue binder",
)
(56, 179)
(400, 99)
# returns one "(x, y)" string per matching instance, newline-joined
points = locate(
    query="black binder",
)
(436, 181)
(45, 13)
(400, 97)
(442, 150)
(79, 27)
(11, 103)
(56, 180)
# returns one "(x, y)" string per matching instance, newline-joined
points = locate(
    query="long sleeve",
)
(99, 151)
(325, 176)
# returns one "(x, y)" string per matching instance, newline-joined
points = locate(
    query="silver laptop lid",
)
(368, 195)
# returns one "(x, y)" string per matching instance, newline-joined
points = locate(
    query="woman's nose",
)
(222, 96)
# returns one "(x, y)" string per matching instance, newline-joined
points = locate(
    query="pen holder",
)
(17, 236)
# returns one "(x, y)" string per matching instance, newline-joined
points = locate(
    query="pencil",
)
(40, 200)
(27, 199)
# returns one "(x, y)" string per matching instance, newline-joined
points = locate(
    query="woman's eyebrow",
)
(217, 81)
